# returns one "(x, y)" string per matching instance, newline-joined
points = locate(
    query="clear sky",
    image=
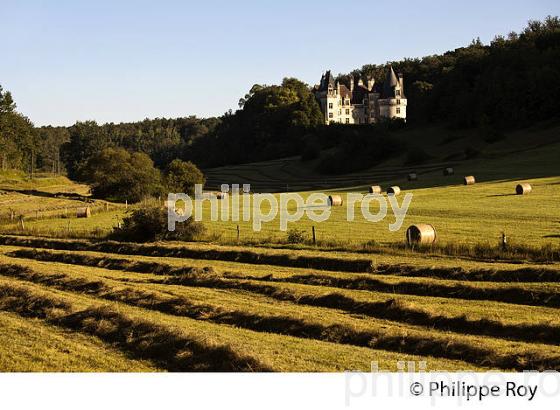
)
(114, 61)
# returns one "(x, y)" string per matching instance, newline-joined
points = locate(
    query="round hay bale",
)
(523, 189)
(375, 189)
(335, 200)
(469, 180)
(448, 171)
(393, 190)
(83, 212)
(412, 176)
(421, 234)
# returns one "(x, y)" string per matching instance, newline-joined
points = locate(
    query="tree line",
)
(512, 82)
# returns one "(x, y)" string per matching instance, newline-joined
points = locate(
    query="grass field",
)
(279, 317)
(72, 301)
(460, 214)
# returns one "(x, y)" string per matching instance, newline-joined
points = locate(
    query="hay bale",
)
(448, 171)
(335, 200)
(412, 176)
(469, 180)
(83, 212)
(393, 190)
(421, 234)
(523, 189)
(375, 189)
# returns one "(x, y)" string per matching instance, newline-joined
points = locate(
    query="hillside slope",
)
(535, 149)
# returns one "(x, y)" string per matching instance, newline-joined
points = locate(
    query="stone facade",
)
(361, 103)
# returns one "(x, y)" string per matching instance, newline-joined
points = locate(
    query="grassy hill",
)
(445, 147)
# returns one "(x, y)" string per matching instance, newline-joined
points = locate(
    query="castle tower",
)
(392, 102)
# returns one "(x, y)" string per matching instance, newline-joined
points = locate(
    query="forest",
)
(512, 82)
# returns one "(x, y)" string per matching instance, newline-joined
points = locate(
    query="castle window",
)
(347, 120)
(398, 110)
(347, 111)
(398, 93)
(398, 102)
(330, 106)
(330, 114)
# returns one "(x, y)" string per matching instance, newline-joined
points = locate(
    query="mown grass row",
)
(141, 339)
(506, 294)
(241, 256)
(526, 274)
(343, 334)
(390, 309)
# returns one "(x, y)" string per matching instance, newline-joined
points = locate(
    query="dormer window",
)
(398, 93)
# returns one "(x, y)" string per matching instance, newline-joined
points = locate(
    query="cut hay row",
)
(525, 275)
(141, 339)
(241, 256)
(121, 264)
(405, 343)
(390, 309)
(505, 294)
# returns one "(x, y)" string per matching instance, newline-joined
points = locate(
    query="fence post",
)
(126, 204)
(22, 224)
(313, 231)
(237, 233)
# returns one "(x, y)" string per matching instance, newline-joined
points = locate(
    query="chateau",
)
(361, 103)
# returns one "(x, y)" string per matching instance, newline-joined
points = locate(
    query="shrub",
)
(296, 236)
(181, 177)
(150, 224)
(120, 175)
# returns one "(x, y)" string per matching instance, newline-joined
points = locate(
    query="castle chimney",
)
(351, 83)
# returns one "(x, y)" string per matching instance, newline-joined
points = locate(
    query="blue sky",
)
(114, 61)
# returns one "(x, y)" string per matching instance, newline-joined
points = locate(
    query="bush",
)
(181, 177)
(150, 224)
(120, 175)
(296, 236)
